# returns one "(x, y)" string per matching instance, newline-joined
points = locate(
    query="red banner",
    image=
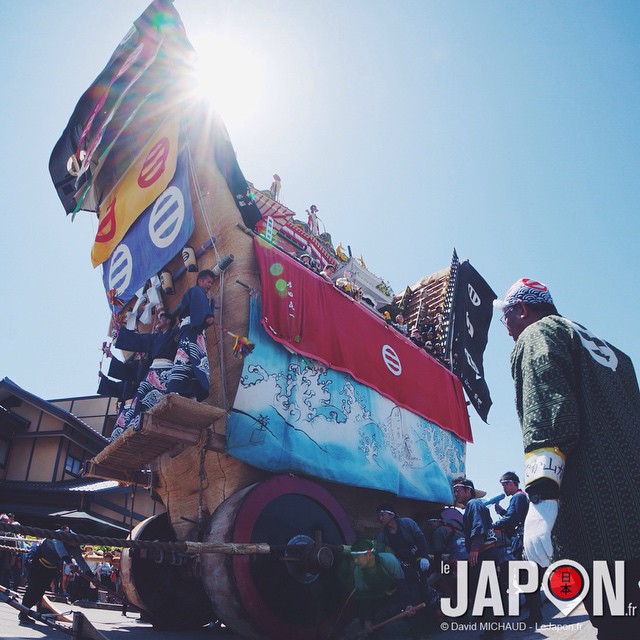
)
(311, 317)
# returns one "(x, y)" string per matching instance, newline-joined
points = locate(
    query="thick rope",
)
(223, 391)
(195, 548)
(201, 206)
(179, 547)
(196, 183)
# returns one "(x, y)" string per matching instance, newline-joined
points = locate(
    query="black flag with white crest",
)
(473, 310)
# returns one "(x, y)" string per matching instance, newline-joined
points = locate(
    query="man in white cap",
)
(578, 403)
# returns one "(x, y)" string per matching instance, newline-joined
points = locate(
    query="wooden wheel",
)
(163, 587)
(297, 593)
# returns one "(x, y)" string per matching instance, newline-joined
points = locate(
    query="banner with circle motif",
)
(312, 317)
(292, 414)
(155, 237)
(147, 177)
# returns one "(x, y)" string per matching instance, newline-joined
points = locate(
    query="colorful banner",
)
(139, 187)
(155, 238)
(310, 316)
(473, 310)
(150, 60)
(292, 414)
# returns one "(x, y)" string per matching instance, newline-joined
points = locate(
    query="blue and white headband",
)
(525, 290)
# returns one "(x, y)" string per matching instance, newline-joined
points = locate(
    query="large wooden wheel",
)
(162, 586)
(300, 591)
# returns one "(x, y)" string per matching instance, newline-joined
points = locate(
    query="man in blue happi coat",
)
(190, 373)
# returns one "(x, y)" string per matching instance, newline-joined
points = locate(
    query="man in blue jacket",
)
(47, 561)
(189, 376)
(509, 529)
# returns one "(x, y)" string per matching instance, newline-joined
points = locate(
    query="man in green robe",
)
(380, 587)
(578, 403)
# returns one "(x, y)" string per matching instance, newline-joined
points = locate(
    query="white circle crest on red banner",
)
(391, 360)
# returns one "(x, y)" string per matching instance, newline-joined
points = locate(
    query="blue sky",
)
(508, 130)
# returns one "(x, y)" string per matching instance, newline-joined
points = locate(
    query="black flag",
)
(143, 79)
(225, 158)
(473, 310)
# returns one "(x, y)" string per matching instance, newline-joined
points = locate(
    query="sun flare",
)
(231, 75)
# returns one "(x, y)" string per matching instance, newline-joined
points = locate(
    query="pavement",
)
(111, 624)
(109, 621)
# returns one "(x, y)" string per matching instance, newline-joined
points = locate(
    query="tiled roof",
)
(17, 420)
(10, 388)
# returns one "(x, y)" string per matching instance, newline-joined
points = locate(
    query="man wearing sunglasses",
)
(578, 404)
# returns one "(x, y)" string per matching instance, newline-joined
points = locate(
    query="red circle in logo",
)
(566, 582)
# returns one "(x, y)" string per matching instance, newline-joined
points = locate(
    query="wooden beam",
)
(92, 470)
(216, 442)
(171, 432)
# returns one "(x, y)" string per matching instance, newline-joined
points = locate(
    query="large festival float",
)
(319, 407)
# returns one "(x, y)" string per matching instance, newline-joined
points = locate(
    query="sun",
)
(230, 74)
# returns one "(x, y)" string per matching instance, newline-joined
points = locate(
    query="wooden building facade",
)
(43, 449)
